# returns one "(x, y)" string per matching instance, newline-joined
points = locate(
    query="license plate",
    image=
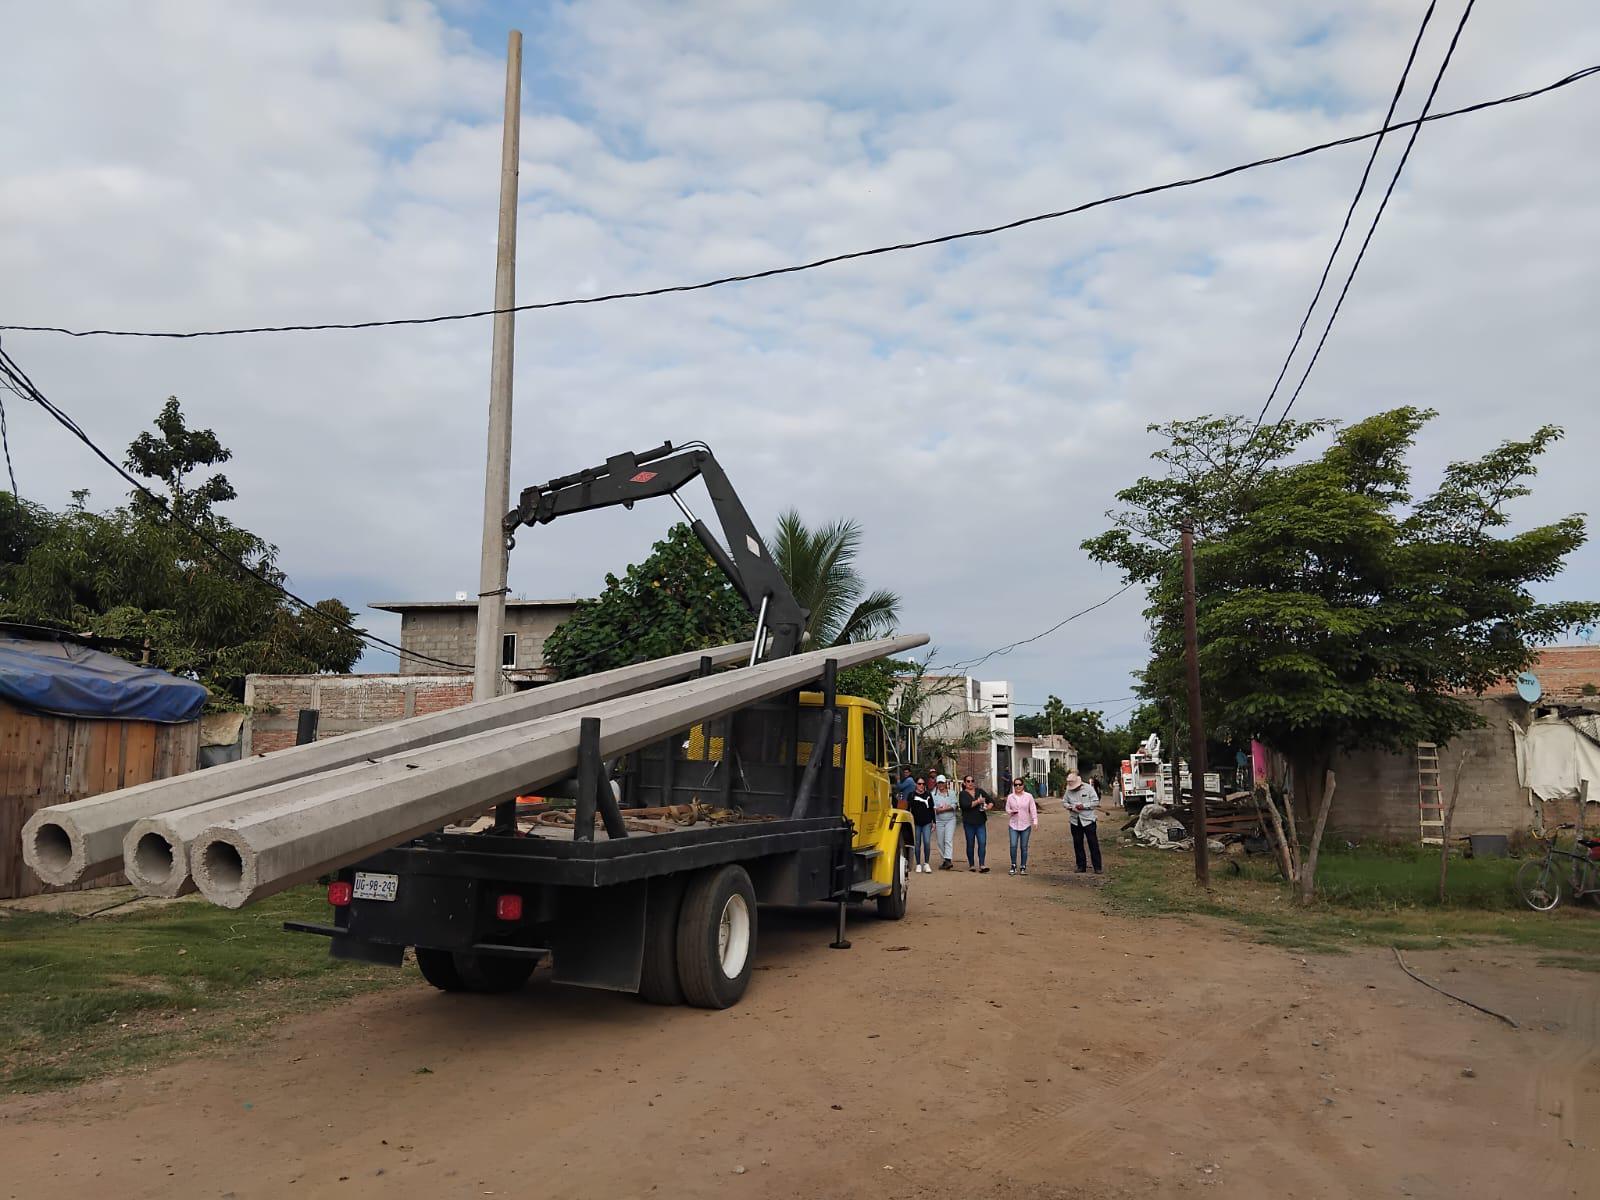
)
(374, 885)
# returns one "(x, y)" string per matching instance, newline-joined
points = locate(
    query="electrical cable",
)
(968, 664)
(1378, 216)
(1338, 244)
(18, 379)
(1072, 704)
(1355, 266)
(5, 441)
(830, 260)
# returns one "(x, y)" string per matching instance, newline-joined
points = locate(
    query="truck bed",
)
(550, 854)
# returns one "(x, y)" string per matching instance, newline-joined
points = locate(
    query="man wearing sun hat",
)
(1082, 803)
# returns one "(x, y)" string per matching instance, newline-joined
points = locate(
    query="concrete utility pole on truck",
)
(785, 802)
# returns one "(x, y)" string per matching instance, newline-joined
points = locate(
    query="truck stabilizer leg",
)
(840, 942)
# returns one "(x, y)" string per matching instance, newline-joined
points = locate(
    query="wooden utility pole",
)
(1197, 733)
(497, 468)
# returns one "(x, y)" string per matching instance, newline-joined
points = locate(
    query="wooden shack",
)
(46, 759)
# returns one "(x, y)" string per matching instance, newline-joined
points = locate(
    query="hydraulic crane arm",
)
(626, 478)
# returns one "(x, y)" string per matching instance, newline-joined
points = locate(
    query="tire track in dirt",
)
(1563, 1089)
(1096, 1105)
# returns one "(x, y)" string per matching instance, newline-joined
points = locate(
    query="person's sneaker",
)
(947, 865)
(970, 867)
(983, 870)
(1023, 871)
(1098, 871)
(1013, 871)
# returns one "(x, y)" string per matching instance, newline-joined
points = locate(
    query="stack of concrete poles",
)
(319, 825)
(68, 842)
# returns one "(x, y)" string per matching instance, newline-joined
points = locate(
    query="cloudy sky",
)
(190, 164)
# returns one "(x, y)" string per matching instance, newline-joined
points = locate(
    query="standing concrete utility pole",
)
(1197, 732)
(497, 469)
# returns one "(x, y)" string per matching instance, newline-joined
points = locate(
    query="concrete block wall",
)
(344, 702)
(1376, 794)
(451, 634)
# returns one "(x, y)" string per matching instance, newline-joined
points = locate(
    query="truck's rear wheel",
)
(892, 904)
(658, 978)
(716, 937)
(439, 968)
(463, 971)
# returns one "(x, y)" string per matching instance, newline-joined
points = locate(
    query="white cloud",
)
(976, 406)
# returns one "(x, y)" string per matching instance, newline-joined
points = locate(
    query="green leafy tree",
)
(1052, 718)
(675, 601)
(819, 566)
(1056, 779)
(135, 574)
(170, 456)
(1334, 613)
(1085, 728)
(23, 525)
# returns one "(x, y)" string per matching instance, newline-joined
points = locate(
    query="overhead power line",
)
(970, 663)
(1355, 201)
(17, 379)
(5, 439)
(1378, 216)
(1255, 468)
(830, 260)
(1071, 704)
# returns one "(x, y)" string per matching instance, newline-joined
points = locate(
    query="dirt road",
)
(1007, 1039)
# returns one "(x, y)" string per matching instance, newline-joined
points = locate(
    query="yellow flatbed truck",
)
(788, 802)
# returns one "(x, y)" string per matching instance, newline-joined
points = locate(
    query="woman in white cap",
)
(1082, 803)
(945, 809)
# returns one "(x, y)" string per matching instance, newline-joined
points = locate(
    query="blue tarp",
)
(75, 681)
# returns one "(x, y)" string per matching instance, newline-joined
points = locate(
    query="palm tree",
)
(817, 565)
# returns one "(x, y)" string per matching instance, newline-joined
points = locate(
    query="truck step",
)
(869, 855)
(868, 887)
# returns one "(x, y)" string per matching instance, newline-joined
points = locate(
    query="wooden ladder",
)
(1430, 800)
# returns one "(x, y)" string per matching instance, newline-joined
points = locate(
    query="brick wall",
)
(344, 703)
(1376, 794)
(1564, 672)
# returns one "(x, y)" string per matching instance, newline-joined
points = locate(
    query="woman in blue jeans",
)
(1022, 816)
(975, 805)
(922, 824)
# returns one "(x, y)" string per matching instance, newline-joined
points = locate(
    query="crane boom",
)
(626, 478)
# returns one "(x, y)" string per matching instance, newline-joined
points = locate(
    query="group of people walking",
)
(936, 808)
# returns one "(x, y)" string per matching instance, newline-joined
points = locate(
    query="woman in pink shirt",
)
(1022, 814)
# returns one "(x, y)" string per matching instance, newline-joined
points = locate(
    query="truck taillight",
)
(339, 892)
(508, 907)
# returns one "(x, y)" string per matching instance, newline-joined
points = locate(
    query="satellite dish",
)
(1528, 687)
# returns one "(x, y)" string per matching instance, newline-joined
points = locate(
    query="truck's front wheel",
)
(717, 937)
(892, 904)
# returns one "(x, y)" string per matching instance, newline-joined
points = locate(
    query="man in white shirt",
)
(1082, 803)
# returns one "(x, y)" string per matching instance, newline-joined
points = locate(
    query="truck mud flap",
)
(598, 942)
(352, 949)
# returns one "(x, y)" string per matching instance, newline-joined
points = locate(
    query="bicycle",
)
(1540, 881)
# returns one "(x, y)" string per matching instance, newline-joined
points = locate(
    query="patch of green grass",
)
(83, 998)
(1367, 897)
